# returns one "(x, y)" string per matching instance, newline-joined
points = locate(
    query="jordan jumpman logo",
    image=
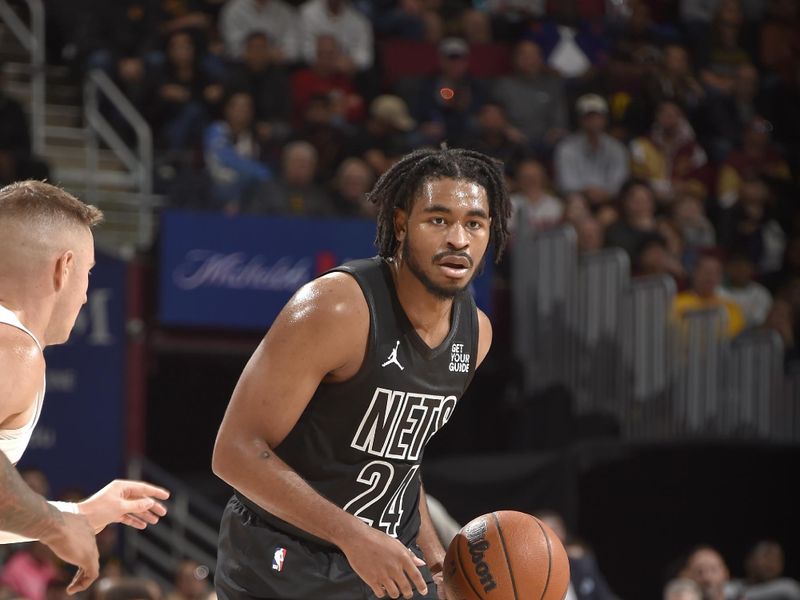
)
(393, 357)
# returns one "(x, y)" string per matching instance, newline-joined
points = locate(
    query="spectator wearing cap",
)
(590, 161)
(337, 18)
(274, 18)
(386, 135)
(451, 98)
(533, 98)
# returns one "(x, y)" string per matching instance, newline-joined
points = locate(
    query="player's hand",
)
(385, 565)
(132, 503)
(73, 542)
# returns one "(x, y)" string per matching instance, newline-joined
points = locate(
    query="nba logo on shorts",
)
(277, 559)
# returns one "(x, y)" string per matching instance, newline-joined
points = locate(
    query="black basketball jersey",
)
(359, 443)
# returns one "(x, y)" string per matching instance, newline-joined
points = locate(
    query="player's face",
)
(445, 236)
(76, 284)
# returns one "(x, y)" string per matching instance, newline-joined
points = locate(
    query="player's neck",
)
(33, 315)
(426, 311)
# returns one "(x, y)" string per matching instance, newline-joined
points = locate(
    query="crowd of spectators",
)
(669, 130)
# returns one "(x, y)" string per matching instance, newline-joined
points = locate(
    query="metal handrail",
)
(140, 162)
(32, 39)
(189, 530)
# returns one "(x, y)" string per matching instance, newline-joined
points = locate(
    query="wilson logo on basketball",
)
(476, 539)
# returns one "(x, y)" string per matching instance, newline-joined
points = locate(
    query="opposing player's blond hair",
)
(34, 201)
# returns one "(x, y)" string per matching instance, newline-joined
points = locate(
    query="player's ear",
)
(63, 267)
(400, 224)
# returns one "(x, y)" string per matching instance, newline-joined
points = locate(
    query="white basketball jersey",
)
(13, 442)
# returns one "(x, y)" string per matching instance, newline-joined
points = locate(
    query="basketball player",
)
(325, 431)
(46, 252)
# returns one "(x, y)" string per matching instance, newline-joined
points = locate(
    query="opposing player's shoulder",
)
(21, 370)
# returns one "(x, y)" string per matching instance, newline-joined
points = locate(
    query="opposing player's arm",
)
(484, 336)
(24, 514)
(321, 334)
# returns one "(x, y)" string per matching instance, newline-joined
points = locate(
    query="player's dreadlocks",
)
(398, 187)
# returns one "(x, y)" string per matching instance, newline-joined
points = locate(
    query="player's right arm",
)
(321, 334)
(23, 512)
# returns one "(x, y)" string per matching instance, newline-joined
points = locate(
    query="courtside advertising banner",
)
(79, 440)
(238, 272)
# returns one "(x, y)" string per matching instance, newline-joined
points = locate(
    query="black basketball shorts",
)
(255, 561)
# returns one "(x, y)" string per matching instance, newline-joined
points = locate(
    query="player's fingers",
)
(132, 521)
(136, 489)
(137, 506)
(82, 580)
(159, 509)
(414, 574)
(147, 517)
(404, 585)
(390, 587)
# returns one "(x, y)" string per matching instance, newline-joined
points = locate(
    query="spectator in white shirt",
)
(752, 297)
(590, 161)
(274, 18)
(339, 19)
(532, 203)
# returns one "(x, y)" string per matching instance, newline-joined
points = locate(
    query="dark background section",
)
(641, 507)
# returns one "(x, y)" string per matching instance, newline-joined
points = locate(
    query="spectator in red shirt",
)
(328, 74)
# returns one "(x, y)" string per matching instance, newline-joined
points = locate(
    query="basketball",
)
(506, 555)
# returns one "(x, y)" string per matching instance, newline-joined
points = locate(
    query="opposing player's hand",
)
(73, 542)
(132, 503)
(386, 565)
